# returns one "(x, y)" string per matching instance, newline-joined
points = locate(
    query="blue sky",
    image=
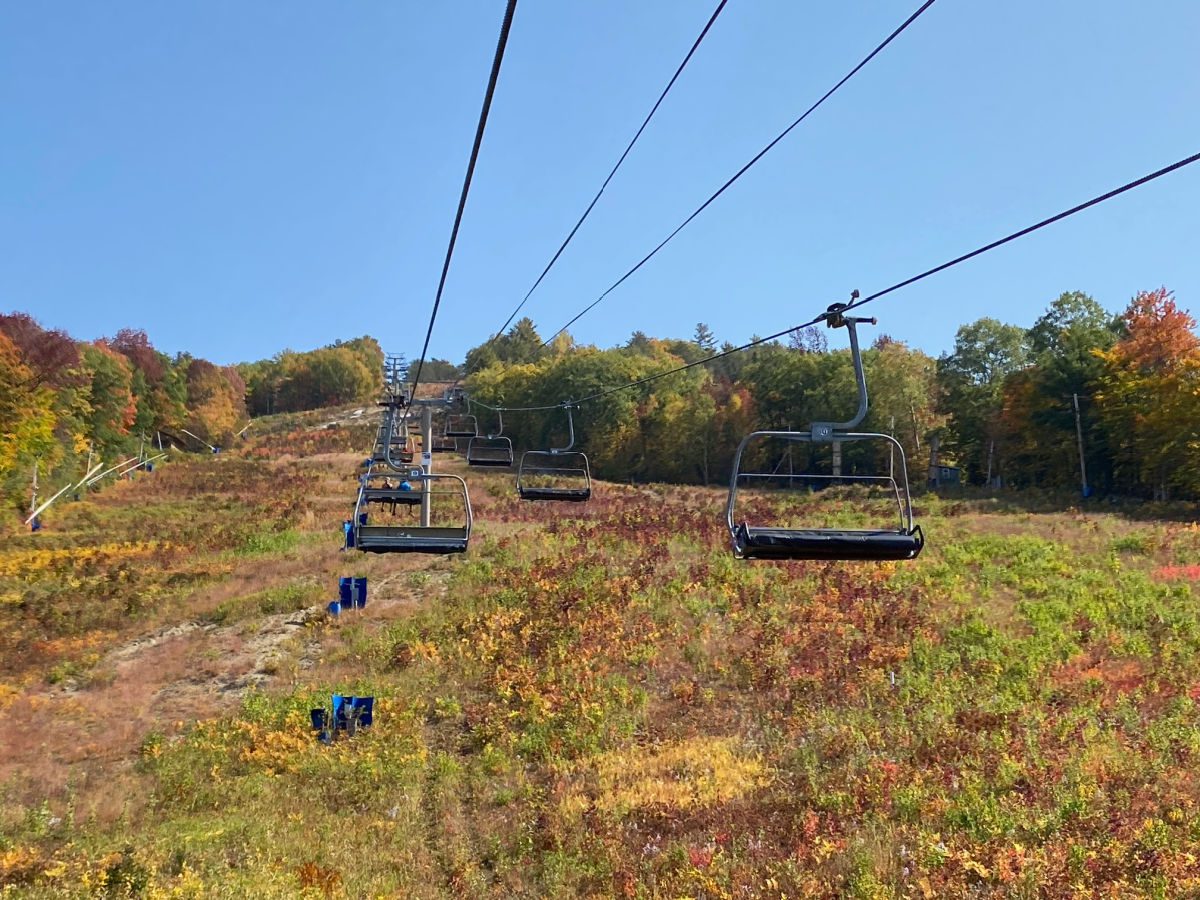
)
(237, 177)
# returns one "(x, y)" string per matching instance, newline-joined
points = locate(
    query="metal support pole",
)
(426, 461)
(1079, 435)
(892, 450)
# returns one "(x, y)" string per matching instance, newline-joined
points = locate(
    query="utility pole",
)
(1079, 435)
(991, 453)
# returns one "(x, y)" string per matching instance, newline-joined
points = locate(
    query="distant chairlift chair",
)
(494, 450)
(404, 445)
(558, 473)
(461, 426)
(768, 542)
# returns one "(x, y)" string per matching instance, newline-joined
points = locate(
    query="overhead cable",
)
(587, 211)
(744, 169)
(1030, 229)
(466, 188)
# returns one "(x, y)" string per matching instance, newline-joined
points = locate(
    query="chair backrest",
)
(366, 710)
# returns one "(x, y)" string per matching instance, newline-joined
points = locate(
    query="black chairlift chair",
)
(461, 426)
(417, 538)
(404, 445)
(492, 450)
(770, 542)
(558, 473)
(398, 447)
(402, 450)
(377, 488)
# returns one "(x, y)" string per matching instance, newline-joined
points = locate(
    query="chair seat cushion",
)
(569, 495)
(787, 543)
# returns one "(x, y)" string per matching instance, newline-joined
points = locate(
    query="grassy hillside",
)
(595, 701)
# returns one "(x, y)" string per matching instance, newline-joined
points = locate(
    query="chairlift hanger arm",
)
(499, 432)
(835, 317)
(568, 406)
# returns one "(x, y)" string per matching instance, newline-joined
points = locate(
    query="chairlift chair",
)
(494, 449)
(404, 445)
(416, 538)
(461, 426)
(372, 491)
(557, 473)
(752, 541)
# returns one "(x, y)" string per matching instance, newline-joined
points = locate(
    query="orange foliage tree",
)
(1150, 397)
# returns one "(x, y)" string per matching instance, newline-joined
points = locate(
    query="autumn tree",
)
(26, 418)
(520, 344)
(905, 398)
(50, 356)
(330, 376)
(1037, 422)
(216, 407)
(111, 406)
(1149, 397)
(972, 381)
(159, 387)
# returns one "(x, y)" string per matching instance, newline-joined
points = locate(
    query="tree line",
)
(1007, 405)
(63, 400)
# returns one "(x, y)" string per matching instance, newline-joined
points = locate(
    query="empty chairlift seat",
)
(554, 475)
(495, 451)
(777, 495)
(461, 426)
(838, 477)
(559, 473)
